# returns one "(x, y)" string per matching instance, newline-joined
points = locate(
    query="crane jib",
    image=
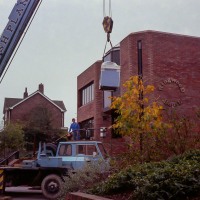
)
(18, 21)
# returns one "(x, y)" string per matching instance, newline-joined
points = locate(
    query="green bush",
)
(85, 178)
(176, 178)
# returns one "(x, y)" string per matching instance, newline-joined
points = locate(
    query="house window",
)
(87, 129)
(87, 94)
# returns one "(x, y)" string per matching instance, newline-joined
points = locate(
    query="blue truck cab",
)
(76, 154)
(72, 154)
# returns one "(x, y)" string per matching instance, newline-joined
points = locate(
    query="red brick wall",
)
(20, 112)
(166, 56)
(87, 111)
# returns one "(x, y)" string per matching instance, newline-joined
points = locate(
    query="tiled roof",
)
(10, 102)
(60, 104)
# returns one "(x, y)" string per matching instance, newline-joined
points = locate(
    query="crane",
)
(20, 19)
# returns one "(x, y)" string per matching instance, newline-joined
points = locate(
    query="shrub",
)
(83, 179)
(177, 178)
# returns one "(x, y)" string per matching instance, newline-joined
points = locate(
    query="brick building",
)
(20, 109)
(170, 62)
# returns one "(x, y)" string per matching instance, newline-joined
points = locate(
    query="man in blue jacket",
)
(74, 128)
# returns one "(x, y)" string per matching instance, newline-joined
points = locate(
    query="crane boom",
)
(19, 20)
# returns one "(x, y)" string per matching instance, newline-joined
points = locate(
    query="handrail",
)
(5, 161)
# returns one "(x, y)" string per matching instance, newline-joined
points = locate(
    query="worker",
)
(75, 129)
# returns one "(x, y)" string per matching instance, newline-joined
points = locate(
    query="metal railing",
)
(12, 156)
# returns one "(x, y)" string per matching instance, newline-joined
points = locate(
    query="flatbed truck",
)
(52, 164)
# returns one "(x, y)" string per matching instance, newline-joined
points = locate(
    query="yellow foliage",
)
(136, 114)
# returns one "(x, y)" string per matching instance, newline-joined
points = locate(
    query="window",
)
(86, 149)
(103, 151)
(116, 56)
(107, 57)
(87, 94)
(107, 98)
(113, 55)
(65, 150)
(87, 129)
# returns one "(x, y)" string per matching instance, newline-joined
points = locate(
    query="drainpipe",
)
(140, 77)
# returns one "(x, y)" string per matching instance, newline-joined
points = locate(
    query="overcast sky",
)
(66, 37)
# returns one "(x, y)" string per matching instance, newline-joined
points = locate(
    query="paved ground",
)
(24, 193)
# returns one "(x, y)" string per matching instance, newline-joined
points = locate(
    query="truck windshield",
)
(103, 151)
(65, 150)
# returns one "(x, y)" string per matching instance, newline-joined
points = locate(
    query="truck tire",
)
(51, 186)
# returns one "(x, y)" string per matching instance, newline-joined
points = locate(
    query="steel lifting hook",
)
(107, 21)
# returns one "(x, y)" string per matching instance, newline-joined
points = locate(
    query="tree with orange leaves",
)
(137, 117)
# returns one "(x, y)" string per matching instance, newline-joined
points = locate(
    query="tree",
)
(12, 138)
(138, 118)
(39, 119)
(39, 127)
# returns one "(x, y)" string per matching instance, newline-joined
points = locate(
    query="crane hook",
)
(107, 24)
(107, 21)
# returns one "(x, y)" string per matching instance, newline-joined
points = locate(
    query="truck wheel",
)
(51, 186)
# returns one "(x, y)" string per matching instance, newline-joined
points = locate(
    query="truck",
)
(52, 164)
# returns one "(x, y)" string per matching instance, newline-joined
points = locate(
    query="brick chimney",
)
(25, 93)
(41, 88)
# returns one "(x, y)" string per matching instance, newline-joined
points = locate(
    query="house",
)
(170, 62)
(21, 109)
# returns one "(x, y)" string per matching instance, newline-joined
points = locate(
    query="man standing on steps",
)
(74, 128)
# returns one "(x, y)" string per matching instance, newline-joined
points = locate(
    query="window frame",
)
(87, 94)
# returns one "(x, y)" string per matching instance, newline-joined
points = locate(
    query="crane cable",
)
(104, 9)
(107, 23)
